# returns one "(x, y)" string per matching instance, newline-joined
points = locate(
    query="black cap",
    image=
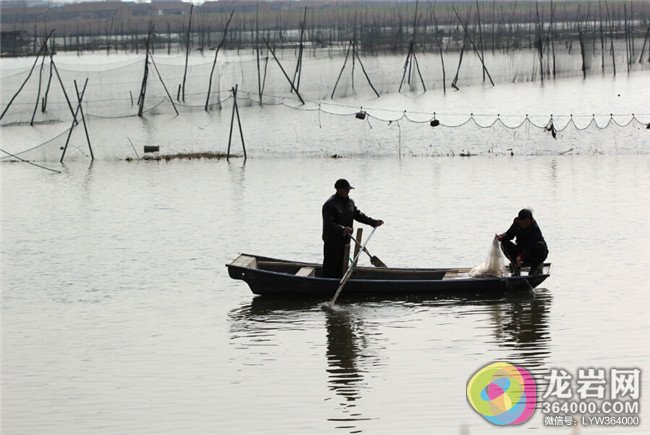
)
(525, 214)
(342, 183)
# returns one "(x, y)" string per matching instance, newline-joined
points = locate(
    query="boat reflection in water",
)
(345, 339)
(521, 325)
(357, 343)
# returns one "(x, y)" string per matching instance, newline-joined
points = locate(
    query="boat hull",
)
(385, 283)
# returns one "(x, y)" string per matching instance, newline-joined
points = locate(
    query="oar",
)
(373, 258)
(348, 273)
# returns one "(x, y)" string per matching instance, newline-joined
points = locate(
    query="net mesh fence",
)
(334, 110)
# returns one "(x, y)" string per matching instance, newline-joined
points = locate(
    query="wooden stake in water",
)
(214, 63)
(645, 41)
(611, 39)
(257, 53)
(74, 121)
(347, 53)
(298, 72)
(38, 93)
(83, 117)
(43, 45)
(473, 45)
(283, 71)
(47, 88)
(58, 76)
(235, 111)
(145, 75)
(187, 50)
(582, 52)
(442, 59)
(540, 44)
(411, 57)
(155, 67)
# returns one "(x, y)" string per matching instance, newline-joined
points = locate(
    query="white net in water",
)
(493, 266)
(37, 121)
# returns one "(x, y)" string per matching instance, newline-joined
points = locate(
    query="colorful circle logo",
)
(503, 393)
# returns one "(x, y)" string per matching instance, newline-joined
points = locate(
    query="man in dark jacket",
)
(339, 212)
(530, 246)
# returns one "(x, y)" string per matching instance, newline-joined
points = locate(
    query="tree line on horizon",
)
(375, 26)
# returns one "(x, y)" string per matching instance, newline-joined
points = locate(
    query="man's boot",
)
(536, 269)
(515, 270)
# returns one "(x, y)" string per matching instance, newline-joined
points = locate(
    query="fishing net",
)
(493, 265)
(477, 120)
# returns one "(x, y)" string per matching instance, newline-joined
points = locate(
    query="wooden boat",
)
(276, 277)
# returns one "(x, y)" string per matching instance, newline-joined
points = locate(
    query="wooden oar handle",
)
(348, 273)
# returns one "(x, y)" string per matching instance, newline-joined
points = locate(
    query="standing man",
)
(339, 212)
(530, 246)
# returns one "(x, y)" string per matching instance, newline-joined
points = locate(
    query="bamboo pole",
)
(283, 71)
(460, 61)
(145, 75)
(187, 50)
(611, 39)
(602, 39)
(647, 35)
(442, 59)
(257, 53)
(627, 39)
(473, 45)
(631, 34)
(83, 118)
(241, 131)
(214, 63)
(512, 24)
(266, 65)
(43, 45)
(38, 92)
(235, 111)
(155, 67)
(417, 67)
(298, 71)
(408, 63)
(480, 33)
(58, 76)
(47, 89)
(74, 122)
(347, 53)
(407, 68)
(550, 39)
(364, 70)
(582, 52)
(539, 42)
(494, 26)
(354, 43)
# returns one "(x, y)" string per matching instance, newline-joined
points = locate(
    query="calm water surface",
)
(118, 315)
